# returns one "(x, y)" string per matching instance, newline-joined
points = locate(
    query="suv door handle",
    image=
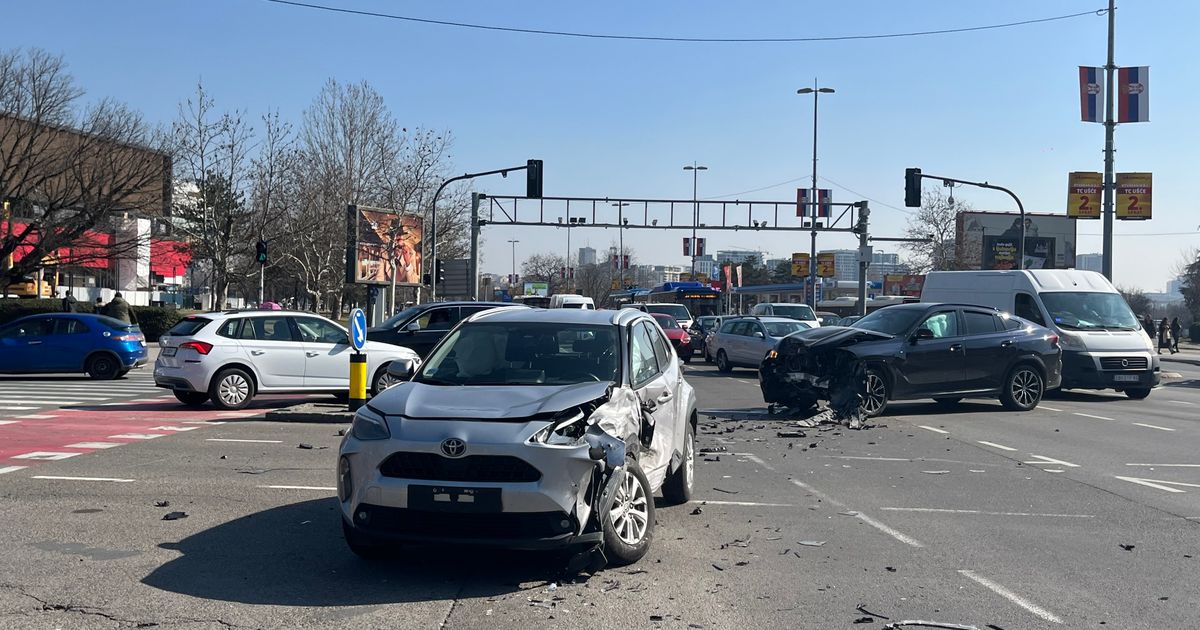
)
(257, 352)
(956, 347)
(35, 343)
(311, 353)
(664, 397)
(1007, 343)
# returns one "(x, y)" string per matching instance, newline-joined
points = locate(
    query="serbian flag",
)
(1133, 94)
(824, 203)
(1091, 94)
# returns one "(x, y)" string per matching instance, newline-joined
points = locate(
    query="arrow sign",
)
(358, 329)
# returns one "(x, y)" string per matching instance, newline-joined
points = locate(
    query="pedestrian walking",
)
(1148, 324)
(118, 308)
(68, 301)
(1164, 335)
(1176, 331)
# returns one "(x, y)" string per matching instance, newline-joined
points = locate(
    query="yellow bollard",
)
(358, 380)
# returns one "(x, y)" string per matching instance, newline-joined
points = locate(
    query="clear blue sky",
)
(615, 118)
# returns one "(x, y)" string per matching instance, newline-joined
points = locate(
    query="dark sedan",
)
(420, 327)
(946, 352)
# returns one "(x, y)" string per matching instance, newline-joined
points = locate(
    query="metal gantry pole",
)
(813, 203)
(864, 260)
(474, 272)
(1110, 126)
(513, 279)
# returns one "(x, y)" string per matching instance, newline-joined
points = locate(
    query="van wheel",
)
(723, 364)
(1023, 388)
(231, 389)
(628, 521)
(1138, 393)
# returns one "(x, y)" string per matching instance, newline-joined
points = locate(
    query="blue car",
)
(103, 347)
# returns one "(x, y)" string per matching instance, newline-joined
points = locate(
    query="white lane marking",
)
(8, 469)
(1037, 611)
(48, 456)
(10, 421)
(874, 459)
(59, 478)
(1050, 460)
(201, 422)
(17, 408)
(38, 416)
(93, 445)
(330, 489)
(248, 441)
(43, 395)
(1180, 402)
(135, 436)
(995, 445)
(934, 429)
(1158, 484)
(1041, 406)
(238, 414)
(1167, 465)
(741, 503)
(1152, 426)
(983, 513)
(172, 428)
(145, 400)
(1088, 415)
(898, 535)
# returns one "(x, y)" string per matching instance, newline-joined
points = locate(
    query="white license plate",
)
(168, 352)
(1126, 378)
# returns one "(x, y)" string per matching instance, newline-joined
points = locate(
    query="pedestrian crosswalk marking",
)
(45, 455)
(135, 436)
(94, 445)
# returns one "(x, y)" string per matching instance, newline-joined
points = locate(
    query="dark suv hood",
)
(499, 402)
(828, 337)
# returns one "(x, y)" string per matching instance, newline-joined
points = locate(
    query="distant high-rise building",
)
(1089, 262)
(587, 256)
(661, 274)
(739, 256)
(1174, 286)
(705, 265)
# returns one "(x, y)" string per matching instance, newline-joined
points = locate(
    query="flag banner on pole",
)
(687, 246)
(824, 203)
(728, 277)
(1091, 94)
(739, 276)
(1133, 94)
(802, 202)
(700, 246)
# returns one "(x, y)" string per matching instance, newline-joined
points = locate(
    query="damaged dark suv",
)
(946, 352)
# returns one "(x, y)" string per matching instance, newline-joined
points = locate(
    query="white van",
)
(571, 300)
(1104, 345)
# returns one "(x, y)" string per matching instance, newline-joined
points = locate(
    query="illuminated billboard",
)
(378, 240)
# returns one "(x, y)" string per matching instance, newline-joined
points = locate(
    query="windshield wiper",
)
(436, 381)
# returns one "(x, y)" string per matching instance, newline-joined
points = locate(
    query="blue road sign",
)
(358, 328)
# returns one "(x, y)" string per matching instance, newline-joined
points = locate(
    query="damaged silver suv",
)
(529, 429)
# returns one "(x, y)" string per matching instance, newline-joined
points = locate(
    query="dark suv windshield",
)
(890, 321)
(493, 353)
(402, 316)
(1089, 311)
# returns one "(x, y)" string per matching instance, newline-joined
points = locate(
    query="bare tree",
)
(936, 221)
(67, 171)
(544, 268)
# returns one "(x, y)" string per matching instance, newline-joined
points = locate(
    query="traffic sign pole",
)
(358, 360)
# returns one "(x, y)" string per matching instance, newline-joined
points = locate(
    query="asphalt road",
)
(969, 516)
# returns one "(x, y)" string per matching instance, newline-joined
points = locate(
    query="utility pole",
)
(474, 272)
(513, 279)
(813, 203)
(1110, 125)
(621, 239)
(695, 169)
(864, 255)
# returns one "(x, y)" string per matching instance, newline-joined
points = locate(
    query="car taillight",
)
(128, 338)
(199, 346)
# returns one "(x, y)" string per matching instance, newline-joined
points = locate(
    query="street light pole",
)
(621, 239)
(813, 203)
(695, 169)
(513, 279)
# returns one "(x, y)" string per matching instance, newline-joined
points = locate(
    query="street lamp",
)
(812, 260)
(513, 278)
(621, 222)
(695, 169)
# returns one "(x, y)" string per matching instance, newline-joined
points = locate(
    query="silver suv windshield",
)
(1090, 311)
(493, 353)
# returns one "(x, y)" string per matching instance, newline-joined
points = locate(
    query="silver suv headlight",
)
(565, 429)
(369, 424)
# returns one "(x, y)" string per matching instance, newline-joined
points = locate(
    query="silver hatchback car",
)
(528, 429)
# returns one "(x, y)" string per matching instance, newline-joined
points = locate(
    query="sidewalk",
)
(1189, 352)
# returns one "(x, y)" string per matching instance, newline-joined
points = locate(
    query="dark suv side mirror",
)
(412, 327)
(922, 333)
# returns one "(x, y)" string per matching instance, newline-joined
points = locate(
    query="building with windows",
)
(706, 266)
(587, 256)
(666, 273)
(739, 256)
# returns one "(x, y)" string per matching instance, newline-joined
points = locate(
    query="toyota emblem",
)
(453, 447)
(1125, 363)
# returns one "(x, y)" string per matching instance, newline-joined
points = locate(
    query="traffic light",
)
(425, 279)
(912, 187)
(533, 179)
(439, 270)
(260, 252)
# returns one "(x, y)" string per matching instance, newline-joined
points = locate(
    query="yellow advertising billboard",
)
(1084, 195)
(826, 265)
(1133, 196)
(800, 264)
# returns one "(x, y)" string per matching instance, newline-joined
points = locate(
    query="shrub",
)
(11, 309)
(155, 321)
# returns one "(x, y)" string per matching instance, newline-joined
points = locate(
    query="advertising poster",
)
(377, 236)
(540, 289)
(989, 240)
(1084, 195)
(826, 265)
(800, 264)
(903, 284)
(1133, 196)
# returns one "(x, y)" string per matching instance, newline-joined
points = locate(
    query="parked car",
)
(745, 341)
(681, 340)
(98, 345)
(849, 320)
(228, 357)
(1104, 345)
(800, 312)
(420, 327)
(828, 319)
(701, 328)
(538, 429)
(570, 300)
(946, 352)
(678, 311)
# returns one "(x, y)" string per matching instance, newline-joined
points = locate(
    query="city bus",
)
(700, 299)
